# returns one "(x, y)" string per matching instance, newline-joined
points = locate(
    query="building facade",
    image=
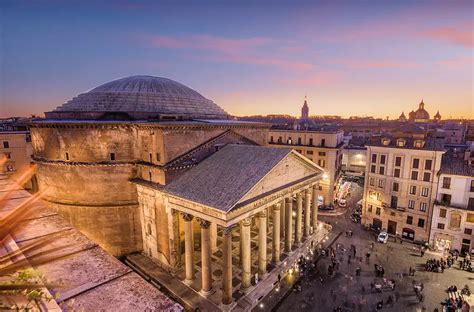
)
(15, 153)
(453, 215)
(400, 186)
(324, 148)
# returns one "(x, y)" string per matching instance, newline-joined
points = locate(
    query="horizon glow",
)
(364, 58)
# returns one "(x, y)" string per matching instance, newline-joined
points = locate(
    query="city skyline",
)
(251, 59)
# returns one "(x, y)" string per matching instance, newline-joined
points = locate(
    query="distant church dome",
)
(437, 116)
(421, 114)
(139, 97)
(402, 117)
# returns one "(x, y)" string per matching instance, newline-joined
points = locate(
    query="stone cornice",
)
(44, 161)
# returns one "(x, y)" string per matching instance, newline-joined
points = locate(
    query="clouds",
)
(459, 35)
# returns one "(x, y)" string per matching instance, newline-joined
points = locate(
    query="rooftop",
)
(454, 164)
(221, 180)
(138, 97)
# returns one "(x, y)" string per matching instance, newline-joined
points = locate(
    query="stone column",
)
(188, 248)
(206, 255)
(315, 207)
(307, 213)
(299, 218)
(227, 266)
(262, 243)
(288, 221)
(276, 233)
(282, 218)
(246, 253)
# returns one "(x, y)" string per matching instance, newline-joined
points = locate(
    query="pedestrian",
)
(279, 278)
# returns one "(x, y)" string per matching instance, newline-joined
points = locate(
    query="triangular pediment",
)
(291, 169)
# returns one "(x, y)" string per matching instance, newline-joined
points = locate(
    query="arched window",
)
(148, 228)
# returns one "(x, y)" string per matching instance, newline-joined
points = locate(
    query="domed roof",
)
(421, 113)
(141, 97)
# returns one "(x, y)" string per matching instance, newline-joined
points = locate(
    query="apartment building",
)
(15, 153)
(453, 214)
(323, 147)
(400, 185)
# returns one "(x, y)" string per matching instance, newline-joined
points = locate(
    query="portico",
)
(244, 200)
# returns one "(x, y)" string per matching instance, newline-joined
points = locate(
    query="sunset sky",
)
(251, 57)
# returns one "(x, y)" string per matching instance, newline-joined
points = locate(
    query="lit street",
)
(353, 293)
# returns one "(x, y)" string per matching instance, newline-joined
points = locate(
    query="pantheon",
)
(146, 164)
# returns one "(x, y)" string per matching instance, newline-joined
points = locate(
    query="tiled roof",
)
(221, 180)
(454, 164)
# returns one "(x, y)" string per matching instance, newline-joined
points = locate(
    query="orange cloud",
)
(364, 64)
(461, 35)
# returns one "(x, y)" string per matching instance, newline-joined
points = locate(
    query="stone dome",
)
(421, 113)
(139, 97)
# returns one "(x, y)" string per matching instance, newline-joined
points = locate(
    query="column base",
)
(188, 282)
(206, 293)
(227, 307)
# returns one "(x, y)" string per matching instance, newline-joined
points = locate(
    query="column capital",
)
(299, 195)
(288, 199)
(227, 231)
(277, 206)
(187, 217)
(204, 223)
(308, 192)
(246, 222)
(262, 214)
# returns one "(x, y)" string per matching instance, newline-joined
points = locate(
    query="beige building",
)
(453, 216)
(16, 151)
(324, 148)
(400, 185)
(147, 164)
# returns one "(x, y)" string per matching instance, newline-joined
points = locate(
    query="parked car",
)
(383, 237)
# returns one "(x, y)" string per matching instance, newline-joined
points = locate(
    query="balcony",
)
(451, 205)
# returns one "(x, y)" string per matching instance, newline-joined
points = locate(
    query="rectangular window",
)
(381, 183)
(377, 211)
(442, 213)
(413, 189)
(468, 231)
(395, 186)
(271, 139)
(372, 169)
(398, 161)
(394, 202)
(470, 218)
(151, 157)
(299, 141)
(323, 142)
(416, 163)
(396, 173)
(369, 208)
(423, 206)
(421, 222)
(441, 226)
(409, 220)
(466, 241)
(379, 196)
(322, 153)
(67, 156)
(424, 191)
(470, 203)
(472, 186)
(446, 199)
(428, 164)
(374, 158)
(426, 176)
(280, 139)
(6, 144)
(321, 163)
(411, 204)
(311, 141)
(112, 156)
(372, 181)
(382, 170)
(309, 152)
(158, 157)
(414, 175)
(382, 159)
(447, 182)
